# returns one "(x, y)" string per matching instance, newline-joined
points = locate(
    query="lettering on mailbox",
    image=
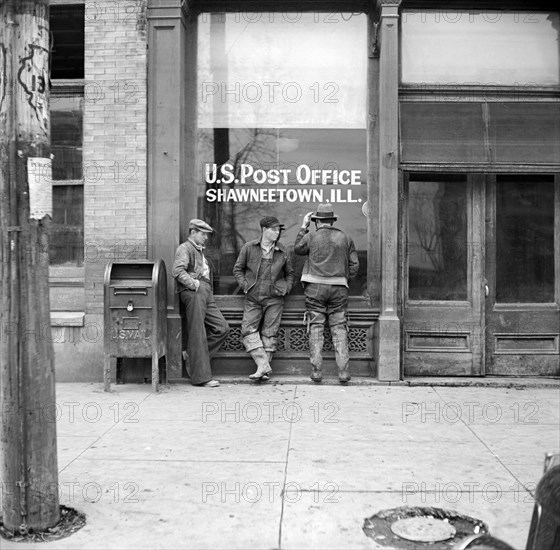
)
(127, 334)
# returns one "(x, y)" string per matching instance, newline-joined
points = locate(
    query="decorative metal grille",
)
(294, 339)
(233, 341)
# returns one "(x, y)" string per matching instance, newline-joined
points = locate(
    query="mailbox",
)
(135, 298)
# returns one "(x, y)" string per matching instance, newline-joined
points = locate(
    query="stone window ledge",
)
(67, 318)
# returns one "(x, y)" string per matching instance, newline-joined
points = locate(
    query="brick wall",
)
(115, 135)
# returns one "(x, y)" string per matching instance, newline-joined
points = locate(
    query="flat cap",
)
(271, 221)
(200, 225)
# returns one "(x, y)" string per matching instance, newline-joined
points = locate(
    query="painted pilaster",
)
(389, 329)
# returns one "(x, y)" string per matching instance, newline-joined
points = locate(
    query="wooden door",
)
(442, 274)
(522, 267)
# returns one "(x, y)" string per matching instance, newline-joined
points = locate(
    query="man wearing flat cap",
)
(331, 262)
(206, 326)
(264, 271)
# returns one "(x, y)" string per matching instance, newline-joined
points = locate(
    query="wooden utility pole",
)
(27, 399)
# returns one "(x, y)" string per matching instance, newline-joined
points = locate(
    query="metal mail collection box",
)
(135, 316)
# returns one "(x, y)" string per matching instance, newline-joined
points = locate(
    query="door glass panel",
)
(524, 239)
(437, 237)
(281, 128)
(450, 46)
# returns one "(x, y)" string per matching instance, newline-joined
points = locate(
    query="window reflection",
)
(437, 237)
(67, 137)
(525, 239)
(276, 93)
(66, 242)
(270, 70)
(282, 149)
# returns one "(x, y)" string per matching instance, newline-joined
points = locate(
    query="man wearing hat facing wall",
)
(264, 271)
(206, 326)
(332, 261)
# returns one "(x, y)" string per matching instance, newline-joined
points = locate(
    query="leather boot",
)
(261, 359)
(269, 357)
(340, 344)
(316, 352)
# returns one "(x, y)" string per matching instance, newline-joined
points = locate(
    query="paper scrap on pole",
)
(39, 179)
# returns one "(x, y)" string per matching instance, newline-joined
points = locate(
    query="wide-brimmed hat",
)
(324, 212)
(270, 221)
(200, 225)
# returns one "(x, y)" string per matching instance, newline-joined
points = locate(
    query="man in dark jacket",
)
(265, 273)
(332, 261)
(207, 328)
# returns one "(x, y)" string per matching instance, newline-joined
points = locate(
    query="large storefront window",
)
(450, 46)
(282, 128)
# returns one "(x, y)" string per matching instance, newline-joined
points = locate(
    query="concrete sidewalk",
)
(294, 465)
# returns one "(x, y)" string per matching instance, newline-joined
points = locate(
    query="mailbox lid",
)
(139, 272)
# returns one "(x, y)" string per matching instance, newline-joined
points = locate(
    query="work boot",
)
(265, 377)
(261, 359)
(316, 352)
(340, 344)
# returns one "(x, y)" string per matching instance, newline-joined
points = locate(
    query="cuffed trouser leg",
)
(252, 341)
(272, 315)
(259, 328)
(254, 346)
(269, 343)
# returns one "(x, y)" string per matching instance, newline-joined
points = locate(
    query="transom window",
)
(466, 47)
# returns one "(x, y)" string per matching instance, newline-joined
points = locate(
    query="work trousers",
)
(326, 301)
(207, 329)
(261, 321)
(322, 302)
(262, 312)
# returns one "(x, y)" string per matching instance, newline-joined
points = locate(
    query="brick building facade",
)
(114, 173)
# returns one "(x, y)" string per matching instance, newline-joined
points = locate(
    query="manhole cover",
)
(413, 527)
(423, 529)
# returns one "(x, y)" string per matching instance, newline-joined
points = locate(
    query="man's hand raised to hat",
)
(307, 220)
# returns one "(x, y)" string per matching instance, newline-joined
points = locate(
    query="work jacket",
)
(188, 266)
(331, 253)
(248, 262)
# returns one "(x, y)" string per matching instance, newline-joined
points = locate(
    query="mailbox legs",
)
(159, 371)
(107, 373)
(155, 372)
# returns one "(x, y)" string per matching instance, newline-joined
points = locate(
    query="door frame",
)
(539, 333)
(443, 347)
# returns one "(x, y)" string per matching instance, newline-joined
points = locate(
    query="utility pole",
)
(27, 392)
